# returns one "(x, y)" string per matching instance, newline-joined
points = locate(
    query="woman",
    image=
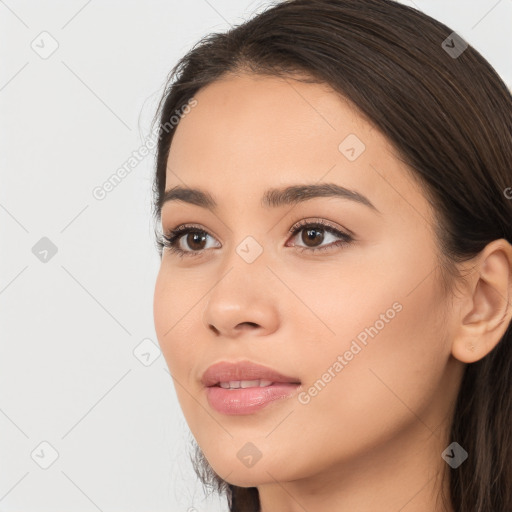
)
(334, 297)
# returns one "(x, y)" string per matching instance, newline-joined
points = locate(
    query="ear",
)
(486, 306)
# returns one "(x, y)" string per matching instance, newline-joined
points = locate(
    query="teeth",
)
(249, 383)
(235, 384)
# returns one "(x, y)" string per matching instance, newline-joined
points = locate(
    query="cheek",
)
(393, 364)
(173, 312)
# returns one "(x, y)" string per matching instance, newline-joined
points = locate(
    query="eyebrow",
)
(274, 197)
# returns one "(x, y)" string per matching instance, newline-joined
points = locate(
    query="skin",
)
(371, 439)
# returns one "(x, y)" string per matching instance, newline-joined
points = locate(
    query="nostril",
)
(248, 324)
(214, 329)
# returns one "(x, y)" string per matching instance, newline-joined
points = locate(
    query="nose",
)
(242, 303)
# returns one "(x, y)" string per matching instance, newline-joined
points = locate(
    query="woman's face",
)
(360, 323)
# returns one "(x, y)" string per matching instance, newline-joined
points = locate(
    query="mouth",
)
(245, 387)
(237, 384)
(243, 374)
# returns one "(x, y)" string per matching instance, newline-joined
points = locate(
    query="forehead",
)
(249, 133)
(252, 116)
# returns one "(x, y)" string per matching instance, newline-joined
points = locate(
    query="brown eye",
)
(195, 240)
(186, 240)
(312, 236)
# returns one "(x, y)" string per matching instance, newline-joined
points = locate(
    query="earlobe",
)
(486, 307)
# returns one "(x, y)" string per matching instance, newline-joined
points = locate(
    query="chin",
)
(234, 472)
(263, 472)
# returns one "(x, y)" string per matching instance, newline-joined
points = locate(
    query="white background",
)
(68, 374)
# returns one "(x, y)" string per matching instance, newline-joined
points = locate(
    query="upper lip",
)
(243, 370)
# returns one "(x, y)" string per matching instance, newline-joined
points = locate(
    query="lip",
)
(243, 370)
(245, 400)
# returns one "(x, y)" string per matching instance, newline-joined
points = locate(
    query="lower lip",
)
(247, 400)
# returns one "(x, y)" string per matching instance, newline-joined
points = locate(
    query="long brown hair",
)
(449, 117)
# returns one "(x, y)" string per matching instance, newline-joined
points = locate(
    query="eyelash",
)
(170, 238)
